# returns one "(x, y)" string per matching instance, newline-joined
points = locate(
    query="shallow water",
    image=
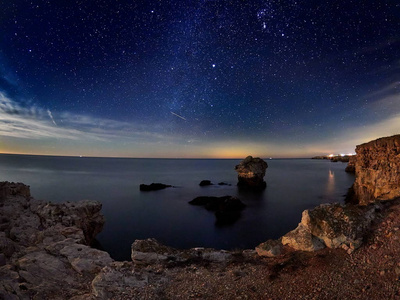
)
(293, 185)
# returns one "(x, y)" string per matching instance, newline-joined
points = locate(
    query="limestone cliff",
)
(377, 168)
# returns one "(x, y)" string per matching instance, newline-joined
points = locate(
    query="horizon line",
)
(132, 157)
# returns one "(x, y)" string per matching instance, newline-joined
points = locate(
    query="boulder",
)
(302, 239)
(377, 168)
(331, 225)
(270, 248)
(251, 172)
(153, 187)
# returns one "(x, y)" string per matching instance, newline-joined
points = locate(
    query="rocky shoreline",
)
(45, 250)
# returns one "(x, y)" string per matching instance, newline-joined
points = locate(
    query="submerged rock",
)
(153, 187)
(227, 209)
(251, 172)
(377, 168)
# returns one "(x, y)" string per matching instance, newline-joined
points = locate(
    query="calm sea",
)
(293, 185)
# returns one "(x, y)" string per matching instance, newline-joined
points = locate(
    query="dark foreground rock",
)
(153, 187)
(251, 172)
(377, 168)
(151, 251)
(45, 247)
(227, 209)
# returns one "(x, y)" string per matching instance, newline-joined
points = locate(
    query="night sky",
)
(197, 78)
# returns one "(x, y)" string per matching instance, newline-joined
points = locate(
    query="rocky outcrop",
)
(331, 225)
(153, 187)
(351, 166)
(251, 172)
(45, 247)
(151, 251)
(377, 168)
(227, 209)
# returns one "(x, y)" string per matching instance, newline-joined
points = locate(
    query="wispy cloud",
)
(36, 123)
(51, 117)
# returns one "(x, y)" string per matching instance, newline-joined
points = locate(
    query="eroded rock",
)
(270, 248)
(45, 252)
(251, 172)
(331, 225)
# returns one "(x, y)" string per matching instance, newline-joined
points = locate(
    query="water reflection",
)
(330, 186)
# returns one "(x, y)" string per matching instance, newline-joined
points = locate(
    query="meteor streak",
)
(178, 116)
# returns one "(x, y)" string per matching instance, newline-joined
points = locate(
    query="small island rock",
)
(205, 183)
(153, 187)
(251, 172)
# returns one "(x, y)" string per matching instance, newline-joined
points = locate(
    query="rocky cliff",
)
(44, 247)
(377, 169)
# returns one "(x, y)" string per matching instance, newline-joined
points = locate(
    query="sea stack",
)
(251, 172)
(377, 169)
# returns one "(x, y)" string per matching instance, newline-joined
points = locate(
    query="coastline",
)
(45, 250)
(47, 264)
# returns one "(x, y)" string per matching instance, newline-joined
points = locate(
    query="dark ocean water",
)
(293, 185)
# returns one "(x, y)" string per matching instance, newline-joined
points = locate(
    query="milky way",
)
(197, 78)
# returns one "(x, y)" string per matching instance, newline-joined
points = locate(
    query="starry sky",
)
(197, 79)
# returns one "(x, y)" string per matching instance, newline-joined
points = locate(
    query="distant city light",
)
(331, 155)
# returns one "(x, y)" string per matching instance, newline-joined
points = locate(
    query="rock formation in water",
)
(251, 172)
(351, 166)
(377, 168)
(205, 183)
(153, 187)
(227, 209)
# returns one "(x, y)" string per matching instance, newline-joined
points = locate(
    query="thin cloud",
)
(36, 123)
(51, 117)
